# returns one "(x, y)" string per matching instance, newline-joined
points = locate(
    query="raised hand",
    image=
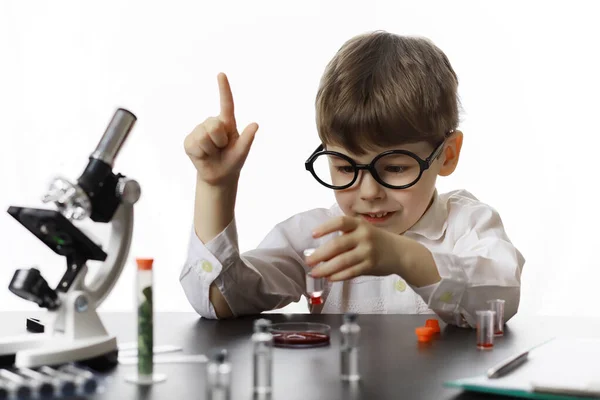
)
(215, 147)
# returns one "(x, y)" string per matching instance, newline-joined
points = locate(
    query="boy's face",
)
(404, 206)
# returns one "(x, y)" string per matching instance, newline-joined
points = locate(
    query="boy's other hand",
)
(362, 249)
(215, 147)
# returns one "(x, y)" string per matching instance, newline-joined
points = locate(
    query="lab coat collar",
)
(433, 223)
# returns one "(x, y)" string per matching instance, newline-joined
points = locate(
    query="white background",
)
(529, 84)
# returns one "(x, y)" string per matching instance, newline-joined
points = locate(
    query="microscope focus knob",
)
(128, 190)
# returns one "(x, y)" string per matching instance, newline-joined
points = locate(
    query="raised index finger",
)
(226, 98)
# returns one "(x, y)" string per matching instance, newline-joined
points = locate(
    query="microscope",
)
(73, 331)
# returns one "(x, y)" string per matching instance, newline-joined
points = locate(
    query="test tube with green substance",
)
(145, 324)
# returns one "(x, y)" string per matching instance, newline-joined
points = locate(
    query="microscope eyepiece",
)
(111, 142)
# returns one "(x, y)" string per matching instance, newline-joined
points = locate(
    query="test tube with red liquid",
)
(497, 305)
(485, 329)
(314, 286)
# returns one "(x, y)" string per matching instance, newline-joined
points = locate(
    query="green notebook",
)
(561, 369)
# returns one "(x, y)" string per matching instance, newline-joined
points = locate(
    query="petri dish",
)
(300, 334)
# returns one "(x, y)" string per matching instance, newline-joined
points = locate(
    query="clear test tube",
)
(86, 381)
(218, 376)
(497, 305)
(485, 329)
(43, 384)
(350, 331)
(314, 286)
(65, 383)
(262, 340)
(16, 385)
(145, 325)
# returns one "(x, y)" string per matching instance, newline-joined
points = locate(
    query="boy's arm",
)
(213, 208)
(219, 303)
(417, 266)
(483, 265)
(268, 277)
(218, 152)
(213, 211)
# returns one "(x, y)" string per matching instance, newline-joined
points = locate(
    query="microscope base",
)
(61, 352)
(55, 351)
(75, 333)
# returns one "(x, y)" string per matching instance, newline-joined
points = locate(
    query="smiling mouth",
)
(377, 217)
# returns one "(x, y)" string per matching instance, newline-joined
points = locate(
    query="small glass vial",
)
(349, 348)
(15, 384)
(314, 286)
(485, 329)
(44, 384)
(84, 379)
(262, 340)
(497, 305)
(64, 382)
(145, 324)
(218, 376)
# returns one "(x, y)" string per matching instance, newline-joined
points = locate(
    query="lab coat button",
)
(400, 285)
(207, 266)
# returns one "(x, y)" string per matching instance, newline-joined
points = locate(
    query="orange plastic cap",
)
(424, 333)
(433, 324)
(144, 263)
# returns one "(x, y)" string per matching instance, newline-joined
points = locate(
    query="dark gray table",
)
(393, 365)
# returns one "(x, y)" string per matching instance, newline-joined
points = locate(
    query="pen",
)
(507, 365)
(511, 363)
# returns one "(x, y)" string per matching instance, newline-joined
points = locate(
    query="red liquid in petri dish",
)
(485, 346)
(300, 339)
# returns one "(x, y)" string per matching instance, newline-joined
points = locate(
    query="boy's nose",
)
(369, 188)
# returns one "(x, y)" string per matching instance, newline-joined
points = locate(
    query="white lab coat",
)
(474, 257)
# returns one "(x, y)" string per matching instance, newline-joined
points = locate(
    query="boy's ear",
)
(451, 153)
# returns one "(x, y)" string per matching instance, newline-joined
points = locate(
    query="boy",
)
(387, 117)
